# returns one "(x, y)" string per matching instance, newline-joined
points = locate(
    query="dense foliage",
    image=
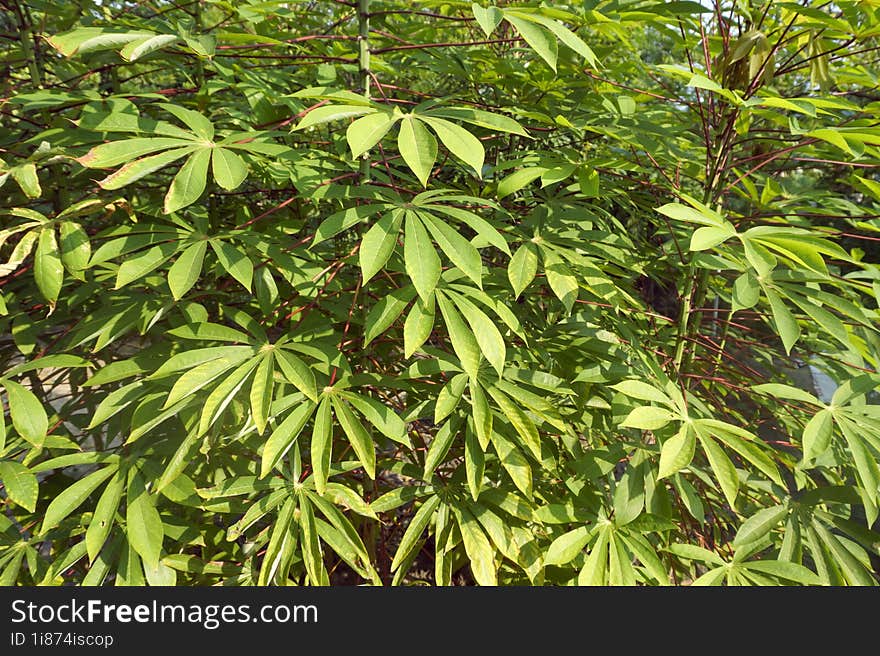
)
(405, 293)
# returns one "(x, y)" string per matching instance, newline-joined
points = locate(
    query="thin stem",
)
(364, 65)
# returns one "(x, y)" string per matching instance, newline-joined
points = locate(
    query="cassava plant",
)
(405, 293)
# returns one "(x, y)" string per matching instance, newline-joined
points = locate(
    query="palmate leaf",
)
(228, 168)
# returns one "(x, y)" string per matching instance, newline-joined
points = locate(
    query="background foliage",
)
(439, 293)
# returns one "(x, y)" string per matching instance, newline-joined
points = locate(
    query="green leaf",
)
(854, 571)
(482, 414)
(746, 292)
(311, 551)
(744, 443)
(865, 463)
(414, 531)
(514, 462)
(722, 467)
(236, 263)
(521, 422)
(262, 388)
(228, 168)
(439, 448)
(712, 577)
(48, 271)
(283, 437)
(480, 118)
(279, 540)
(134, 50)
(474, 463)
(709, 236)
(789, 571)
(383, 418)
(134, 171)
(541, 41)
(184, 273)
(142, 522)
(488, 18)
(418, 325)
(817, 435)
(420, 259)
(189, 183)
(367, 131)
(522, 268)
(75, 247)
(27, 413)
(783, 320)
(486, 333)
(379, 243)
(329, 113)
(693, 552)
(116, 401)
(449, 396)
(478, 547)
(519, 179)
(178, 462)
(72, 497)
(458, 249)
(638, 389)
(297, 372)
(560, 279)
(195, 121)
(418, 147)
(224, 393)
(648, 417)
(198, 377)
(26, 177)
(567, 546)
(118, 152)
(703, 216)
(463, 341)
(385, 312)
(459, 142)
(89, 39)
(11, 568)
(786, 392)
(569, 38)
(137, 266)
(677, 452)
(104, 516)
(759, 525)
(594, 570)
(20, 484)
(360, 440)
(205, 330)
(340, 221)
(322, 444)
